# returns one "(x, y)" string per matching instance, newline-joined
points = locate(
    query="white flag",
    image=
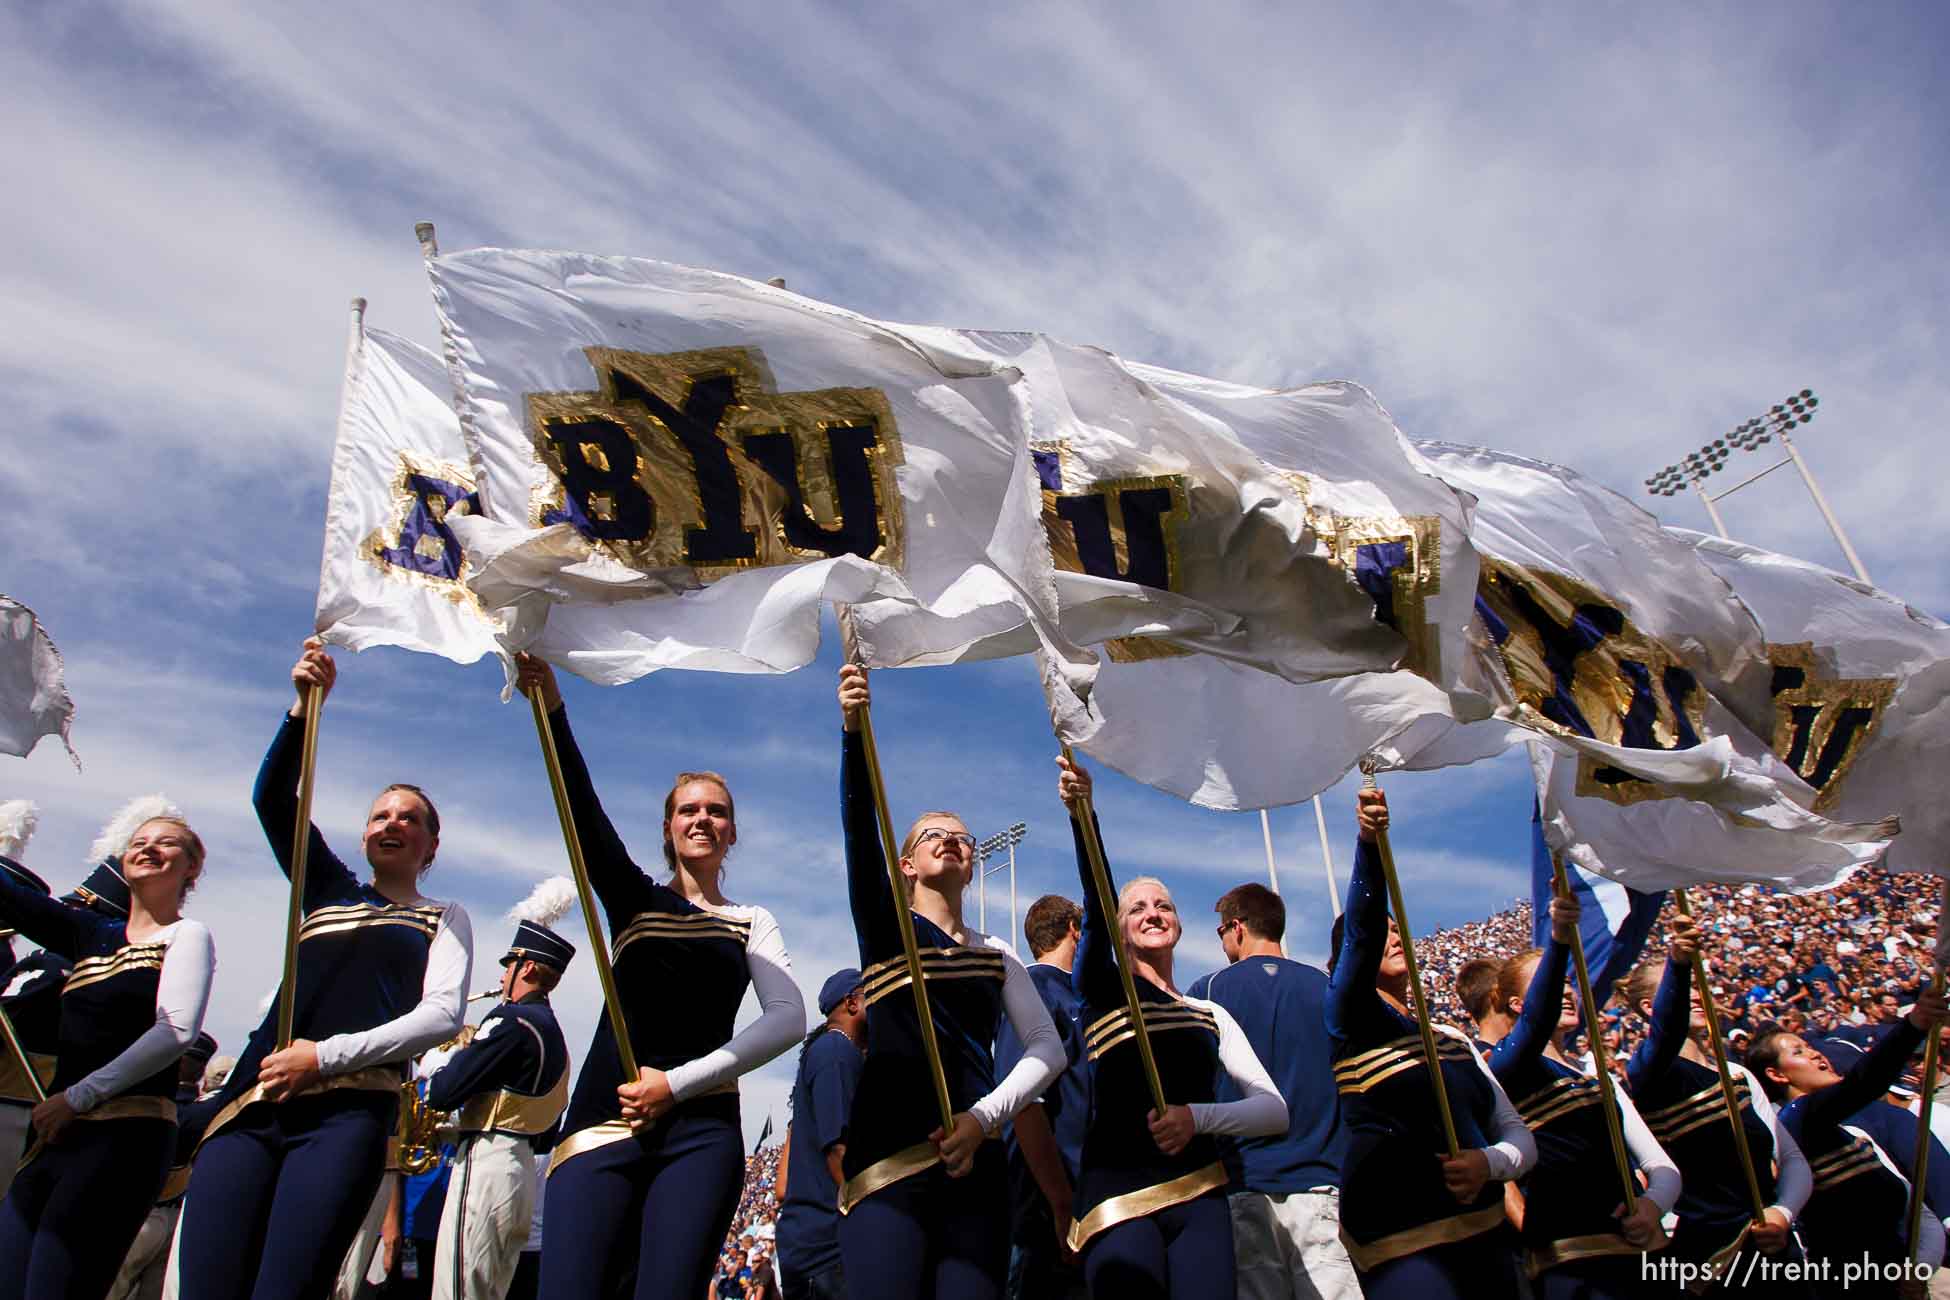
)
(394, 572)
(679, 466)
(1860, 693)
(33, 700)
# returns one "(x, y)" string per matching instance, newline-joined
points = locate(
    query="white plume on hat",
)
(548, 903)
(18, 818)
(115, 835)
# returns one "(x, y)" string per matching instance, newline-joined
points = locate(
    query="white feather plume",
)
(115, 835)
(549, 903)
(18, 818)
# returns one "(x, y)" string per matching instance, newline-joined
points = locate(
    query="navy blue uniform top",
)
(822, 1100)
(894, 1107)
(109, 999)
(32, 998)
(362, 958)
(506, 1076)
(681, 970)
(1894, 1130)
(1066, 1103)
(1565, 1112)
(1282, 1007)
(1119, 1154)
(1393, 1200)
(1681, 1102)
(1860, 1204)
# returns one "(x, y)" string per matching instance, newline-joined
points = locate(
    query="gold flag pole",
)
(598, 948)
(1599, 1061)
(1093, 847)
(19, 1053)
(1705, 987)
(1431, 1057)
(1921, 1169)
(300, 847)
(903, 914)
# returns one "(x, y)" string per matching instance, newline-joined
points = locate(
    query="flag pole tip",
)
(423, 231)
(358, 306)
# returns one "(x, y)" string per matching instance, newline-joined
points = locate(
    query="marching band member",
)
(104, 1137)
(649, 1172)
(925, 1211)
(1858, 1213)
(1151, 1211)
(1676, 1086)
(508, 1084)
(822, 1097)
(289, 1164)
(1417, 1223)
(1579, 1244)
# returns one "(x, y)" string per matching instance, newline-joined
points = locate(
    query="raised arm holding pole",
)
(1732, 1099)
(1085, 816)
(1431, 1058)
(903, 914)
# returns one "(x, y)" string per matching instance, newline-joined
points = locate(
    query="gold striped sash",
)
(340, 918)
(683, 925)
(1708, 1104)
(1108, 1031)
(93, 970)
(1844, 1163)
(937, 964)
(1559, 1099)
(1364, 1070)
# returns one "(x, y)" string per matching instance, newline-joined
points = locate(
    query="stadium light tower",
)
(987, 849)
(1693, 471)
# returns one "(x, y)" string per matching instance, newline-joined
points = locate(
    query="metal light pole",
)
(1693, 470)
(983, 852)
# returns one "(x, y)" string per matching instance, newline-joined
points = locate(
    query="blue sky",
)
(1597, 234)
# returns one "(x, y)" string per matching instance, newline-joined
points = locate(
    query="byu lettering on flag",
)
(394, 571)
(677, 467)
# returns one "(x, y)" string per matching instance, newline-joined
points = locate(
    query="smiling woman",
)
(132, 1004)
(298, 1143)
(653, 1164)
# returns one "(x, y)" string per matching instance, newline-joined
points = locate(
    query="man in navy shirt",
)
(822, 1097)
(1045, 1140)
(1285, 1197)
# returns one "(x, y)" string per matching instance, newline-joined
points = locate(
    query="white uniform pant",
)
(484, 1225)
(13, 1139)
(364, 1264)
(1289, 1247)
(142, 1272)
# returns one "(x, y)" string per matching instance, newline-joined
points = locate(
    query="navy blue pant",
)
(278, 1194)
(932, 1237)
(1476, 1268)
(655, 1206)
(74, 1210)
(1183, 1250)
(1601, 1277)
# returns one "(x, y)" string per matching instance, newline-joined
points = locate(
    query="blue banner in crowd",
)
(1615, 920)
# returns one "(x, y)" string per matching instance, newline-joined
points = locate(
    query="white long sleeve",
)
(1794, 1183)
(1662, 1179)
(182, 995)
(1043, 1057)
(438, 1015)
(1260, 1110)
(1512, 1151)
(781, 1016)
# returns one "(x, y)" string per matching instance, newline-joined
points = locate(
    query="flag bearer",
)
(1418, 1223)
(925, 1209)
(289, 1164)
(103, 1139)
(646, 1177)
(1151, 1213)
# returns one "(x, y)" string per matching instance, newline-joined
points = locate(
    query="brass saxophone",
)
(419, 1123)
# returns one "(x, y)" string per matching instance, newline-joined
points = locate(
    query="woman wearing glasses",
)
(925, 1208)
(652, 1167)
